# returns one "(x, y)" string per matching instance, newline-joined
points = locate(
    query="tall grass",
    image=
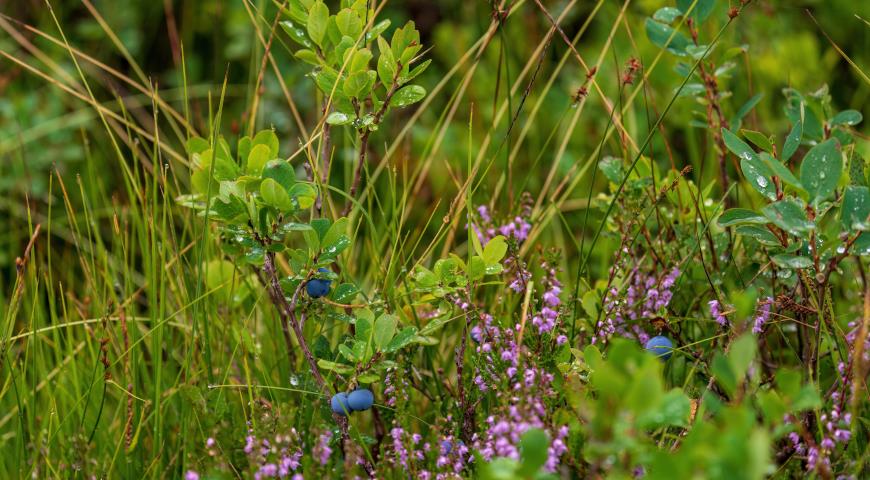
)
(119, 356)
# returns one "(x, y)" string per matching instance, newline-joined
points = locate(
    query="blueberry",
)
(340, 404)
(660, 346)
(361, 399)
(318, 287)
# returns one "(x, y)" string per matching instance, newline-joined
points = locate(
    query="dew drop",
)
(762, 182)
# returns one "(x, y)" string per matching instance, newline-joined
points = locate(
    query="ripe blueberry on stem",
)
(361, 399)
(318, 287)
(660, 346)
(340, 404)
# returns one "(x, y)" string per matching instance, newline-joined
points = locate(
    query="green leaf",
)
(759, 176)
(408, 95)
(738, 147)
(334, 249)
(761, 234)
(666, 14)
(847, 117)
(672, 409)
(307, 56)
(856, 171)
(257, 159)
(335, 233)
(758, 139)
(724, 374)
(275, 195)
(345, 293)
(378, 29)
(349, 23)
(386, 63)
(756, 172)
(787, 260)
(385, 329)
(612, 168)
(780, 170)
(360, 60)
(821, 169)
(740, 216)
(856, 208)
(792, 141)
(495, 250)
(425, 278)
(476, 268)
(789, 215)
(363, 337)
(318, 17)
(196, 145)
(281, 172)
(339, 368)
(742, 353)
(744, 110)
(702, 9)
(339, 118)
(659, 33)
(533, 451)
(402, 339)
(357, 85)
(326, 79)
(304, 194)
(296, 34)
(349, 354)
(807, 398)
(414, 72)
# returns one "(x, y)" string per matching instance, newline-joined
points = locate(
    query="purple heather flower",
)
(249, 444)
(762, 315)
(269, 470)
(716, 312)
(323, 451)
(191, 475)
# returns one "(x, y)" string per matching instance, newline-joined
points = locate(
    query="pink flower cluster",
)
(525, 411)
(645, 297)
(274, 459)
(545, 320)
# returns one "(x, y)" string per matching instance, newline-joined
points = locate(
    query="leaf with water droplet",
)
(761, 234)
(789, 215)
(847, 117)
(792, 141)
(408, 95)
(741, 216)
(296, 34)
(786, 260)
(339, 118)
(781, 171)
(821, 169)
(856, 208)
(666, 37)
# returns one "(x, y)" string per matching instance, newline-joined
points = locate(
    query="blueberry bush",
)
(438, 240)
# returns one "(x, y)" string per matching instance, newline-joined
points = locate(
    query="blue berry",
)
(318, 287)
(340, 405)
(660, 346)
(361, 399)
